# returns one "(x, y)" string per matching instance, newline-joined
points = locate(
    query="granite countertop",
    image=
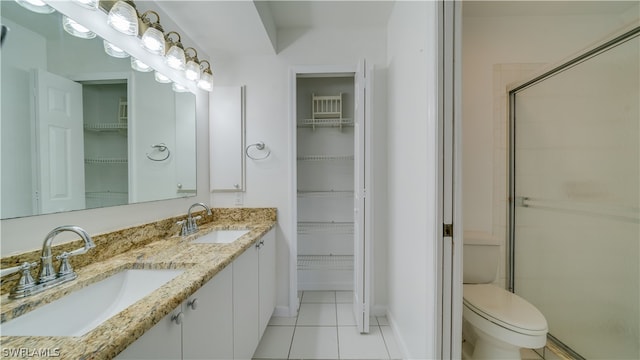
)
(200, 263)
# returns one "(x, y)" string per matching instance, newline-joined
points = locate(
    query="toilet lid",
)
(504, 308)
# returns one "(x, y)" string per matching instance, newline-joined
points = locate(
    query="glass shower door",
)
(575, 185)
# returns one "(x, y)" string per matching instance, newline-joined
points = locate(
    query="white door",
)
(362, 204)
(59, 153)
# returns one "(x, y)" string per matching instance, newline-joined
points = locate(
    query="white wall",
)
(412, 161)
(498, 50)
(267, 81)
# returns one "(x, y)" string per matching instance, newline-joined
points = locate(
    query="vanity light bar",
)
(123, 17)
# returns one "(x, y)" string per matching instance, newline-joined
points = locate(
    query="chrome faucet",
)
(189, 226)
(47, 276)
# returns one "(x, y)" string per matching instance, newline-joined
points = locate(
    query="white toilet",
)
(496, 322)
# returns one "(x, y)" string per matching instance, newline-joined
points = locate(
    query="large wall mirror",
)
(81, 129)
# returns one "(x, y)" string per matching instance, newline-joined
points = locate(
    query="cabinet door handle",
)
(193, 304)
(178, 318)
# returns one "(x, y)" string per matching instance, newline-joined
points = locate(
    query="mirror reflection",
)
(80, 128)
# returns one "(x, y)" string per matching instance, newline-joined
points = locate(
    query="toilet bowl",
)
(496, 322)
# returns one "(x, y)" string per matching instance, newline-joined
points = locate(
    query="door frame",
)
(448, 336)
(294, 71)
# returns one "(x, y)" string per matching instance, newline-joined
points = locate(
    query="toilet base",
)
(490, 348)
(479, 345)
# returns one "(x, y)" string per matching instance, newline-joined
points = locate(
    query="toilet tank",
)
(481, 256)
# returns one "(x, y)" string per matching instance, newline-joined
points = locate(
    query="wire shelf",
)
(326, 194)
(112, 195)
(325, 262)
(316, 123)
(106, 127)
(325, 157)
(308, 227)
(105, 161)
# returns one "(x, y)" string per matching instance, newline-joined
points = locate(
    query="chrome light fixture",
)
(139, 65)
(175, 55)
(161, 78)
(153, 37)
(89, 4)
(37, 6)
(192, 69)
(206, 77)
(114, 51)
(123, 17)
(75, 29)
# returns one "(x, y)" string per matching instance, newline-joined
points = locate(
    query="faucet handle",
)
(65, 266)
(26, 280)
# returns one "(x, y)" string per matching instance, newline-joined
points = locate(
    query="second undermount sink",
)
(220, 237)
(83, 310)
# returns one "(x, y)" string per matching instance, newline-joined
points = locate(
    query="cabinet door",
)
(161, 342)
(226, 138)
(207, 331)
(267, 279)
(245, 304)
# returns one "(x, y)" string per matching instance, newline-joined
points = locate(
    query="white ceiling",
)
(247, 27)
(242, 27)
(542, 7)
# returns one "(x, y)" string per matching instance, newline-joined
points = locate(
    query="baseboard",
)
(284, 311)
(399, 340)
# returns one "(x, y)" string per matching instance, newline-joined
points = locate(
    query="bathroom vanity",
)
(216, 304)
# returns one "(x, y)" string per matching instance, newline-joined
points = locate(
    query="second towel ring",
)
(161, 148)
(259, 146)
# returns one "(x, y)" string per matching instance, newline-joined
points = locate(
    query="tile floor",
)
(325, 329)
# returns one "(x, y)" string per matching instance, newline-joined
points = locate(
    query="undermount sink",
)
(83, 310)
(220, 237)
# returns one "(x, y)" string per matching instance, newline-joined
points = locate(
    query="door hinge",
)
(447, 230)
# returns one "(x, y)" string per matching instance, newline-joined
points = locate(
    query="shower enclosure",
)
(575, 198)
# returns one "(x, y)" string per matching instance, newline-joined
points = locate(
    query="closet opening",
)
(331, 250)
(325, 181)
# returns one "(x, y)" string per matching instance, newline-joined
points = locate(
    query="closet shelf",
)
(114, 195)
(105, 161)
(313, 227)
(332, 123)
(325, 157)
(326, 194)
(105, 127)
(325, 262)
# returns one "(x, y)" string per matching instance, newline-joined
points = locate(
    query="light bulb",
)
(124, 18)
(75, 29)
(114, 51)
(179, 88)
(37, 6)
(192, 70)
(206, 81)
(153, 41)
(175, 58)
(139, 65)
(89, 4)
(162, 78)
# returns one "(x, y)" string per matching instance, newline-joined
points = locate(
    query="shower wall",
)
(576, 219)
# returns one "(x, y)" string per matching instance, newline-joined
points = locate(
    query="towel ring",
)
(161, 148)
(259, 146)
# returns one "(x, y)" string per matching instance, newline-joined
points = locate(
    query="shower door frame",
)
(619, 37)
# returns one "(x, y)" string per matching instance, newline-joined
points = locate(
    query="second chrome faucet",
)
(189, 226)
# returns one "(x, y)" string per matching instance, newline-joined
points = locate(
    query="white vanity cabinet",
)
(254, 282)
(267, 279)
(203, 331)
(224, 319)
